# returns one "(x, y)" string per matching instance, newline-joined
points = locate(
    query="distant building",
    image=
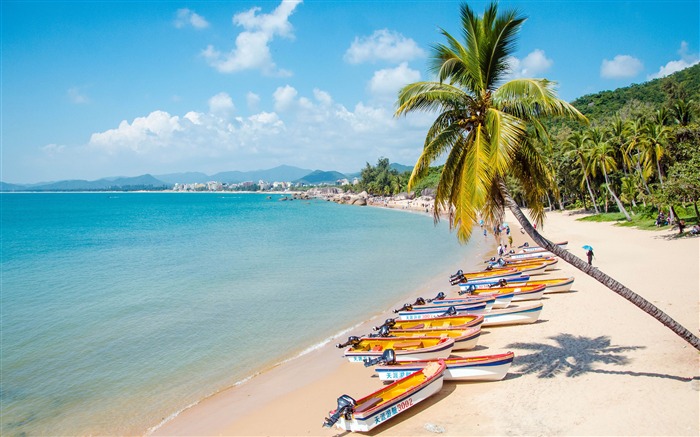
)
(343, 181)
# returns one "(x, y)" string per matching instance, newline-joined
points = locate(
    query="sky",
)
(94, 89)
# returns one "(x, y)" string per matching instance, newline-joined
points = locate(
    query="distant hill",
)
(144, 182)
(400, 167)
(192, 177)
(606, 103)
(321, 177)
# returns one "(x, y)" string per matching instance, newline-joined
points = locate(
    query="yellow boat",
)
(360, 349)
(464, 321)
(371, 410)
(465, 339)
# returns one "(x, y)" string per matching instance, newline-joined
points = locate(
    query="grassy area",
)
(642, 220)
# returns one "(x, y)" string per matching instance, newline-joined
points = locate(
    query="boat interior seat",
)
(366, 405)
(408, 344)
(418, 326)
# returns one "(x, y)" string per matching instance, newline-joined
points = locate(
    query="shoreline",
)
(301, 362)
(631, 375)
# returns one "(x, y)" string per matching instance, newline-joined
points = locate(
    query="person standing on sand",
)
(589, 254)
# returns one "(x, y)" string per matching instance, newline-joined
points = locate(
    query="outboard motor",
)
(501, 283)
(489, 267)
(440, 296)
(352, 341)
(490, 260)
(470, 289)
(420, 301)
(346, 404)
(456, 275)
(388, 357)
(501, 262)
(451, 311)
(388, 323)
(405, 307)
(383, 331)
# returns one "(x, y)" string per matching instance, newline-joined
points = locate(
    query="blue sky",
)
(93, 89)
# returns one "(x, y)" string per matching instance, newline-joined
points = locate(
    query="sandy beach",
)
(594, 364)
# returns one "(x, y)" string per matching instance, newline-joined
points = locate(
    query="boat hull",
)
(366, 420)
(464, 286)
(479, 309)
(483, 368)
(437, 351)
(516, 315)
(465, 338)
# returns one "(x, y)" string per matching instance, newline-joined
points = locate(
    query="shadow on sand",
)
(574, 356)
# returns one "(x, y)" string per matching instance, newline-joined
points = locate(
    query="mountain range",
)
(282, 173)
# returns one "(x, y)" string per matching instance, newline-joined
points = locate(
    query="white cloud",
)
(622, 66)
(687, 60)
(533, 65)
(252, 101)
(221, 104)
(76, 95)
(252, 48)
(284, 98)
(386, 83)
(186, 17)
(53, 149)
(383, 45)
(307, 131)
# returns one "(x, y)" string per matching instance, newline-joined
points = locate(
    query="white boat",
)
(481, 368)
(406, 348)
(378, 407)
(515, 315)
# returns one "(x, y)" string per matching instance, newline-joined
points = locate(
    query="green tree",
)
(484, 125)
(577, 147)
(602, 156)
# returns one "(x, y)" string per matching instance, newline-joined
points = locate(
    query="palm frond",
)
(533, 98)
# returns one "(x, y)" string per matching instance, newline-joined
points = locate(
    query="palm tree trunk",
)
(598, 275)
(641, 176)
(612, 193)
(697, 214)
(658, 168)
(588, 184)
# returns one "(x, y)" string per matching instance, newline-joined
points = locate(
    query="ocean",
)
(120, 309)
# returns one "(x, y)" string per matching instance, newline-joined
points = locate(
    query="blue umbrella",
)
(587, 247)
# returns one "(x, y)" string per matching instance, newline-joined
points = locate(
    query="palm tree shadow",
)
(575, 356)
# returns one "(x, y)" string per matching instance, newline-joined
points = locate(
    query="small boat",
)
(360, 349)
(378, 407)
(439, 311)
(561, 244)
(502, 298)
(521, 293)
(465, 339)
(514, 315)
(482, 283)
(551, 262)
(464, 322)
(553, 285)
(460, 276)
(481, 368)
(528, 255)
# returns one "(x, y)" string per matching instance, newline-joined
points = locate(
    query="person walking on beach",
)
(589, 254)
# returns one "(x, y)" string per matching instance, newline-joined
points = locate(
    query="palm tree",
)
(602, 155)
(654, 145)
(576, 147)
(484, 126)
(682, 111)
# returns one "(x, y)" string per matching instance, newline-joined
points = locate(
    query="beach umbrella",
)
(587, 247)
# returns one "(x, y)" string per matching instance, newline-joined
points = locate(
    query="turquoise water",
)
(120, 309)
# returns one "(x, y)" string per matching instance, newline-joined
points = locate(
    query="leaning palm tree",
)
(602, 156)
(484, 126)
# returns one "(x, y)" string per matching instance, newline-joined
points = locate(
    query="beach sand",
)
(594, 364)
